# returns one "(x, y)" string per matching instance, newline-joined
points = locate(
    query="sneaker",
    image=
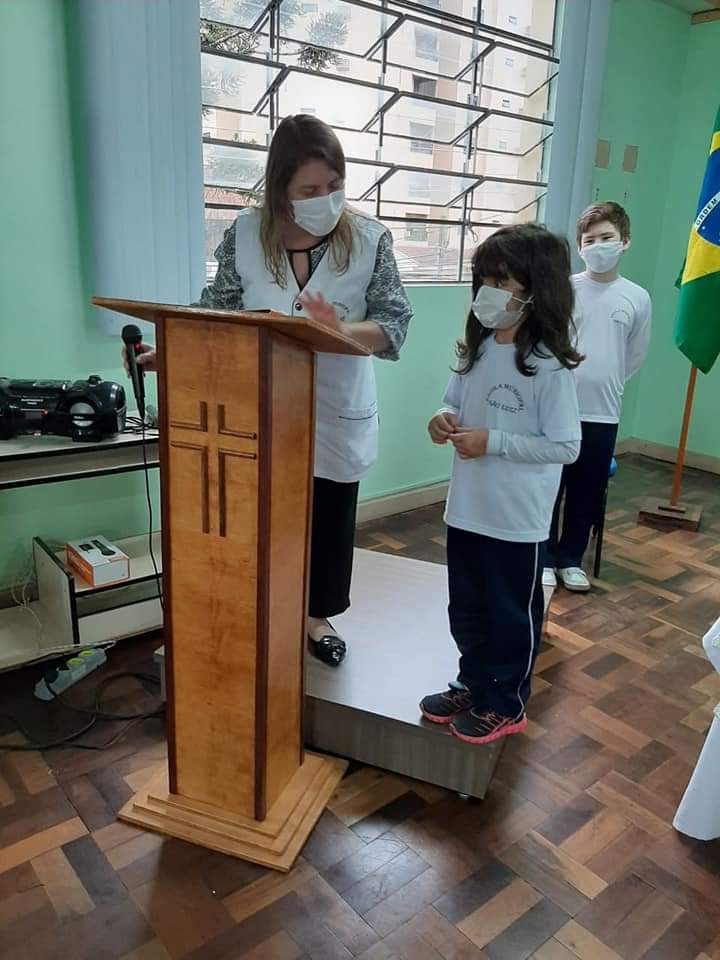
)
(477, 726)
(574, 579)
(444, 707)
(549, 578)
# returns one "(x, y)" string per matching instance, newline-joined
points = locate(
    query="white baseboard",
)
(668, 454)
(401, 502)
(437, 492)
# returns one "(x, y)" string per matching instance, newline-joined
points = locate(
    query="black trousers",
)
(583, 484)
(496, 614)
(333, 540)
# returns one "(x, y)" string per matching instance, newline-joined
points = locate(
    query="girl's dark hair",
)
(540, 261)
(297, 140)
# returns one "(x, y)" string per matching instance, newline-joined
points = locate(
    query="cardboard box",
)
(97, 561)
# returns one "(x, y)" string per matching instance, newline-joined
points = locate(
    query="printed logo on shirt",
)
(505, 397)
(621, 315)
(342, 310)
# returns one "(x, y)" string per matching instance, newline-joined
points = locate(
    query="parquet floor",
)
(572, 855)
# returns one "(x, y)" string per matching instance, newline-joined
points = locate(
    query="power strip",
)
(58, 679)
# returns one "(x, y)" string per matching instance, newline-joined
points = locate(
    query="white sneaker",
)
(549, 578)
(574, 579)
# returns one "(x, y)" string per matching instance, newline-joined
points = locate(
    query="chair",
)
(599, 528)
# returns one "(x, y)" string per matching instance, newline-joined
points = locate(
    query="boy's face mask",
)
(490, 307)
(603, 257)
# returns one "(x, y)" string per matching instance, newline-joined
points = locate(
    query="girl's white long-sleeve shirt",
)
(533, 428)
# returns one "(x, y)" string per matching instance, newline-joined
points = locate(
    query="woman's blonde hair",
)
(297, 140)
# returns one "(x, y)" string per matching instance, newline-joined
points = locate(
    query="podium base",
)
(274, 842)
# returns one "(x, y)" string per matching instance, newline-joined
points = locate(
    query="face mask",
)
(319, 215)
(603, 257)
(489, 306)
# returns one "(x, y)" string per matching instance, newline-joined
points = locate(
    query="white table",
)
(28, 460)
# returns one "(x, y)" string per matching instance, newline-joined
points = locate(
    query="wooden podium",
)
(236, 402)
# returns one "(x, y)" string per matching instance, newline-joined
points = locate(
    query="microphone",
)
(132, 338)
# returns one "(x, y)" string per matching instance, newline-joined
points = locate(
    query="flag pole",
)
(672, 513)
(682, 446)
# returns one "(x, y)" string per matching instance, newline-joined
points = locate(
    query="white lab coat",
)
(698, 815)
(346, 420)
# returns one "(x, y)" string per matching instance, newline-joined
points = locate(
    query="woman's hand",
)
(147, 358)
(442, 426)
(470, 444)
(319, 310)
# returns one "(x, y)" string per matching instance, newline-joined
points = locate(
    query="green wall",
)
(410, 391)
(662, 385)
(665, 105)
(44, 330)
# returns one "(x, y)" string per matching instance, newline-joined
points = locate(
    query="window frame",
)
(461, 209)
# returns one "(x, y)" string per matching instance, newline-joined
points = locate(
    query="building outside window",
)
(416, 93)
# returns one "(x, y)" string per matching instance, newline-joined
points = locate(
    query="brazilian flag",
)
(697, 323)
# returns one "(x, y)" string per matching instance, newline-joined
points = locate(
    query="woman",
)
(305, 254)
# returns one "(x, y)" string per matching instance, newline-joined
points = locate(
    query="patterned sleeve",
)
(225, 292)
(387, 302)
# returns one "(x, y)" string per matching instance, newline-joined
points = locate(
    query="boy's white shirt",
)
(613, 323)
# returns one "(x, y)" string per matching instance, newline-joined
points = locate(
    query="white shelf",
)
(123, 622)
(141, 567)
(50, 626)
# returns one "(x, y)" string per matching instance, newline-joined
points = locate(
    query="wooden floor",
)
(572, 855)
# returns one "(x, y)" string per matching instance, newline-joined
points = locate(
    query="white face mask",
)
(603, 257)
(489, 306)
(319, 215)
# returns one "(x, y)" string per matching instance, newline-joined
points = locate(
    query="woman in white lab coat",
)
(305, 253)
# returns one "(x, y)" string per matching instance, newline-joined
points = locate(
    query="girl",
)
(511, 413)
(305, 254)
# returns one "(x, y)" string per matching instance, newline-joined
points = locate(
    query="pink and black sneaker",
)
(444, 707)
(484, 726)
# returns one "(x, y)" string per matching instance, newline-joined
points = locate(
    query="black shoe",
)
(329, 649)
(444, 707)
(484, 726)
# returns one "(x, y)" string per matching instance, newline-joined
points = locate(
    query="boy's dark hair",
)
(540, 261)
(598, 212)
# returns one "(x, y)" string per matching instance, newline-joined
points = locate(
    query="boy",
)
(613, 318)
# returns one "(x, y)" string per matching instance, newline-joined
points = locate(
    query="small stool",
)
(599, 528)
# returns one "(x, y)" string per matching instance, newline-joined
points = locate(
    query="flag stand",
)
(672, 514)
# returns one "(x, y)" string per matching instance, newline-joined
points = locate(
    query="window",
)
(425, 86)
(416, 230)
(435, 148)
(426, 44)
(418, 186)
(421, 133)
